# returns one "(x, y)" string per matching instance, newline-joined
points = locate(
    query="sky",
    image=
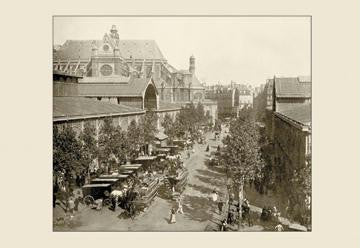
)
(242, 49)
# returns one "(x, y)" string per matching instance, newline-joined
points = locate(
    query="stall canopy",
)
(130, 166)
(161, 136)
(146, 158)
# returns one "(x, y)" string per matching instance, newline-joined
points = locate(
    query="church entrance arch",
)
(150, 98)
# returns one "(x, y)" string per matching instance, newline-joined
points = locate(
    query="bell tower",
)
(114, 33)
(192, 65)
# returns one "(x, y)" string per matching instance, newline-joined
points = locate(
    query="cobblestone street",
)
(199, 210)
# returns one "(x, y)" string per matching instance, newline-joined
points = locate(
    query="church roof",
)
(137, 49)
(113, 86)
(65, 108)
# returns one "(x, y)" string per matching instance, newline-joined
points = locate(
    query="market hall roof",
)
(166, 106)
(114, 86)
(136, 49)
(72, 108)
(291, 87)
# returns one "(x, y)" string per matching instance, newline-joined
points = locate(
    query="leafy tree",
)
(89, 148)
(120, 148)
(148, 127)
(107, 144)
(169, 127)
(241, 154)
(200, 113)
(135, 140)
(67, 154)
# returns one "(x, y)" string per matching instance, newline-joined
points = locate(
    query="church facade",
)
(115, 61)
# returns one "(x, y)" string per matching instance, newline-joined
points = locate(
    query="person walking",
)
(220, 205)
(279, 228)
(172, 216)
(223, 225)
(214, 196)
(71, 206)
(76, 203)
(207, 148)
(180, 208)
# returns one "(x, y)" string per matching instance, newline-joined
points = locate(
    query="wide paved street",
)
(199, 211)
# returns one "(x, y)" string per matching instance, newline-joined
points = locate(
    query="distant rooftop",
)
(292, 87)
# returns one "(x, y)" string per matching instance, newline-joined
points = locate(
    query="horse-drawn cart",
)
(97, 194)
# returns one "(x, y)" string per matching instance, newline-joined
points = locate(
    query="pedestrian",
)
(172, 216)
(76, 203)
(230, 217)
(223, 226)
(180, 208)
(220, 205)
(279, 228)
(207, 148)
(113, 203)
(71, 206)
(214, 196)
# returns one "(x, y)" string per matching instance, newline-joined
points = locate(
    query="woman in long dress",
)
(172, 216)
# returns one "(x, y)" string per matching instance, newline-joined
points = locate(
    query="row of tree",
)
(248, 159)
(77, 154)
(73, 154)
(187, 122)
(241, 155)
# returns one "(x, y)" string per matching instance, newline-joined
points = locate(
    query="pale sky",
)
(243, 49)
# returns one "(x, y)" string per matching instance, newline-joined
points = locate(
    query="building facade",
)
(288, 126)
(114, 57)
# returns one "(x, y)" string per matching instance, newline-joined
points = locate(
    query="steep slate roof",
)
(291, 87)
(301, 114)
(81, 107)
(81, 49)
(170, 68)
(113, 86)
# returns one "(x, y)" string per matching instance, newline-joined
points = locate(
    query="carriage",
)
(214, 158)
(177, 183)
(97, 194)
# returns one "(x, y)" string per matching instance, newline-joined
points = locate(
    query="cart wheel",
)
(107, 202)
(88, 200)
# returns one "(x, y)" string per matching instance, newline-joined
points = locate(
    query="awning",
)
(145, 158)
(161, 136)
(162, 149)
(129, 167)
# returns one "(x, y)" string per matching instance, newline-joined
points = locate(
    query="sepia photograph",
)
(181, 123)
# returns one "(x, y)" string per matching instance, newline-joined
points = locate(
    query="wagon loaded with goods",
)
(175, 183)
(144, 193)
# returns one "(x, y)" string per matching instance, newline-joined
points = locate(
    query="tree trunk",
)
(241, 196)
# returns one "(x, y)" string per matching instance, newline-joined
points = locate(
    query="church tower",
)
(192, 65)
